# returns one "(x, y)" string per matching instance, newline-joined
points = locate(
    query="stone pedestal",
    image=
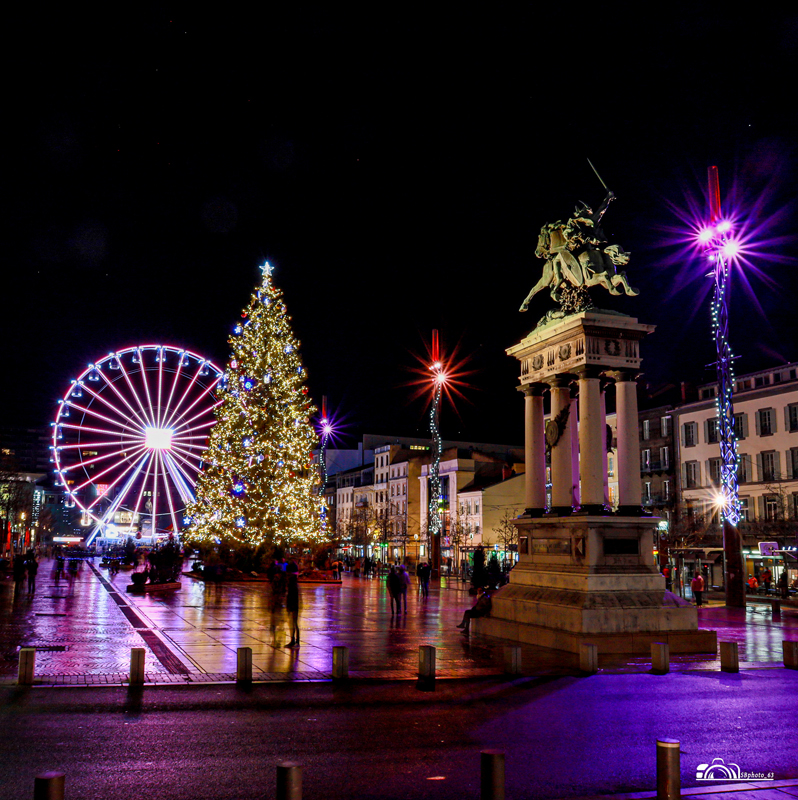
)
(591, 579)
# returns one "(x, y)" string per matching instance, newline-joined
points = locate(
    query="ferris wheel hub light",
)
(158, 438)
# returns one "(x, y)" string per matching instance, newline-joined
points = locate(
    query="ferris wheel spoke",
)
(176, 410)
(145, 419)
(175, 380)
(110, 385)
(123, 425)
(95, 478)
(143, 374)
(119, 499)
(199, 415)
(143, 486)
(184, 431)
(83, 446)
(114, 434)
(168, 491)
(179, 478)
(161, 360)
(112, 485)
(154, 493)
(189, 459)
(187, 448)
(128, 454)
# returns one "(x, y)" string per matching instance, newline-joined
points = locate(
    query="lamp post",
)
(720, 248)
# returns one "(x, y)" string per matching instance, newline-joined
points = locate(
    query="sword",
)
(597, 175)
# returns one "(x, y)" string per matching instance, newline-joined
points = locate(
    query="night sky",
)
(395, 165)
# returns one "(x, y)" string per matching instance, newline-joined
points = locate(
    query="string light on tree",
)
(258, 481)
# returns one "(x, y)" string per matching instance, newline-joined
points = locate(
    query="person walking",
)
(32, 565)
(697, 585)
(404, 582)
(424, 573)
(392, 583)
(292, 606)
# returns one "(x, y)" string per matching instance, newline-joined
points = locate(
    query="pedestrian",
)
(404, 582)
(753, 584)
(767, 578)
(19, 571)
(279, 587)
(697, 585)
(292, 606)
(785, 592)
(424, 572)
(32, 565)
(392, 583)
(481, 608)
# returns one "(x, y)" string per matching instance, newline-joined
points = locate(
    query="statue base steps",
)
(591, 579)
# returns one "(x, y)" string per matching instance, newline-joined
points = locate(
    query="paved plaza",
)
(83, 628)
(192, 733)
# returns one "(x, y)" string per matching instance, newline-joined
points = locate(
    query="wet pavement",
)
(84, 625)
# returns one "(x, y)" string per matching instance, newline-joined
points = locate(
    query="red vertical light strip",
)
(435, 347)
(714, 195)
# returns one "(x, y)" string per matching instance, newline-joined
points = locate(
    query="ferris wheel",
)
(128, 437)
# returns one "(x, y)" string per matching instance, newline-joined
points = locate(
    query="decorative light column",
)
(534, 450)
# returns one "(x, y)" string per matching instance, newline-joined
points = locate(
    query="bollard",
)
(776, 608)
(426, 662)
(512, 660)
(49, 786)
(27, 665)
(491, 778)
(136, 666)
(729, 657)
(790, 650)
(244, 665)
(588, 658)
(340, 669)
(669, 779)
(289, 781)
(660, 658)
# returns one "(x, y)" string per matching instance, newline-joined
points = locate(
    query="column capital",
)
(622, 375)
(561, 381)
(533, 389)
(587, 371)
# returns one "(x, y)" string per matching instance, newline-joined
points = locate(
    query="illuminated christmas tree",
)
(257, 482)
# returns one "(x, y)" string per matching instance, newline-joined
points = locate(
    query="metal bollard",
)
(49, 786)
(27, 666)
(426, 662)
(491, 778)
(340, 668)
(289, 781)
(512, 660)
(660, 658)
(244, 665)
(729, 657)
(669, 779)
(137, 666)
(588, 658)
(790, 650)
(776, 608)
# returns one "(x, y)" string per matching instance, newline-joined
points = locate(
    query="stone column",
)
(605, 444)
(562, 486)
(592, 461)
(573, 418)
(534, 450)
(629, 492)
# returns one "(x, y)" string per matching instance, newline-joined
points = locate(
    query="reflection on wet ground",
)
(85, 624)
